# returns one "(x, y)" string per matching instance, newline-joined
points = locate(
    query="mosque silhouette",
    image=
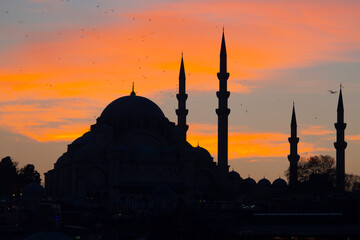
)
(135, 157)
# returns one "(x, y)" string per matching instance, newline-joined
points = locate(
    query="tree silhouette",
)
(12, 180)
(28, 174)
(8, 177)
(315, 165)
(320, 172)
(352, 183)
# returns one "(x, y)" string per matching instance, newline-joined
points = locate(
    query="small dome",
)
(202, 153)
(132, 106)
(264, 182)
(234, 176)
(249, 181)
(281, 183)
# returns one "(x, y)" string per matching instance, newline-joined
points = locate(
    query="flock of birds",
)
(171, 94)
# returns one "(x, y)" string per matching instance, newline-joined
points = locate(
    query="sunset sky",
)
(63, 61)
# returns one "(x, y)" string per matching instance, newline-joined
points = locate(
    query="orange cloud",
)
(353, 137)
(98, 62)
(315, 130)
(245, 144)
(42, 121)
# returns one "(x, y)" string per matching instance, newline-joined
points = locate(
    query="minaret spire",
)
(182, 112)
(133, 90)
(340, 144)
(293, 157)
(223, 55)
(223, 111)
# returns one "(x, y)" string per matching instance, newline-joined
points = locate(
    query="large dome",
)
(132, 106)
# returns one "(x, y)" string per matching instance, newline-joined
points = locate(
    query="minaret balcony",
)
(293, 157)
(223, 76)
(181, 97)
(340, 145)
(221, 111)
(293, 140)
(340, 126)
(221, 94)
(181, 112)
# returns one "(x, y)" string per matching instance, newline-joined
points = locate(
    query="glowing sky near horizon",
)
(63, 61)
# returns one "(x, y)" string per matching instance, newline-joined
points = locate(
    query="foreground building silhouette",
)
(135, 156)
(135, 175)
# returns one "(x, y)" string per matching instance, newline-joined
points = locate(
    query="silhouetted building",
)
(340, 145)
(293, 157)
(134, 156)
(223, 111)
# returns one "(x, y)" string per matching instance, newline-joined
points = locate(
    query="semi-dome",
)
(87, 137)
(132, 106)
(61, 159)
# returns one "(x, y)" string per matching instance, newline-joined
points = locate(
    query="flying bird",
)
(332, 92)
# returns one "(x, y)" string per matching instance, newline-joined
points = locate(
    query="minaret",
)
(181, 112)
(340, 145)
(223, 111)
(293, 157)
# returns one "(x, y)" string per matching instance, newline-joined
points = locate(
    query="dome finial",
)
(133, 92)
